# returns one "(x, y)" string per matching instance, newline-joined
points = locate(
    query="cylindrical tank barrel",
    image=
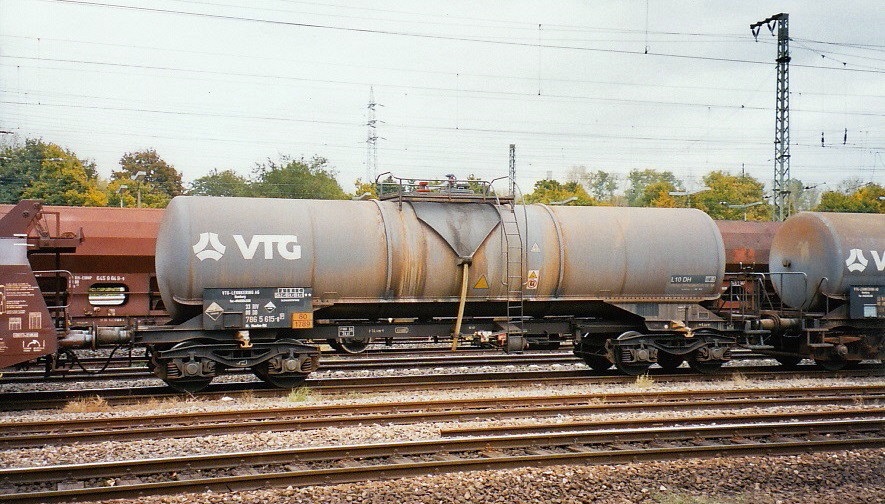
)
(818, 255)
(372, 259)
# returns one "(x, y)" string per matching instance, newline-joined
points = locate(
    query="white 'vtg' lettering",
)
(878, 259)
(286, 246)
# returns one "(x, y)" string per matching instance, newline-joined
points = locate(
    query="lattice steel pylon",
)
(779, 190)
(371, 140)
(512, 174)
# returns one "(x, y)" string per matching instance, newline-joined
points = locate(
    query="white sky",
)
(457, 81)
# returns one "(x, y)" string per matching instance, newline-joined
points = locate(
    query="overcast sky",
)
(225, 84)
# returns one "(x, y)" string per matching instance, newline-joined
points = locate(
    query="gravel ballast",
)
(827, 478)
(831, 478)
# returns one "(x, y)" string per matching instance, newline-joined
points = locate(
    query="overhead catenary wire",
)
(436, 89)
(225, 17)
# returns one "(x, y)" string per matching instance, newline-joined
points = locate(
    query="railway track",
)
(11, 401)
(123, 368)
(354, 463)
(18, 434)
(139, 369)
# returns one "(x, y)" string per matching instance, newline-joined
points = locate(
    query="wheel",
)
(189, 385)
(668, 361)
(170, 372)
(853, 364)
(350, 345)
(832, 364)
(789, 362)
(597, 362)
(703, 366)
(279, 380)
(629, 368)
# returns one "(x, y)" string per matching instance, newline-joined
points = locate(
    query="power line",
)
(509, 94)
(224, 17)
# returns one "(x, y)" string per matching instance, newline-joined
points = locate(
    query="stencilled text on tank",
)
(260, 246)
(858, 262)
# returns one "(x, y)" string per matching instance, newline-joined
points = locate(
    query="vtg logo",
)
(202, 248)
(858, 262)
(208, 246)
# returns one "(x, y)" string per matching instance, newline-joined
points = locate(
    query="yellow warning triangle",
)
(533, 273)
(482, 283)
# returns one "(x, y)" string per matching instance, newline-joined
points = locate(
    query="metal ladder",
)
(513, 279)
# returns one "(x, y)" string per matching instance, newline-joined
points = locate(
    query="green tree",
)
(125, 193)
(297, 179)
(160, 176)
(602, 185)
(657, 194)
(224, 183)
(46, 171)
(801, 197)
(361, 189)
(868, 198)
(479, 186)
(732, 197)
(19, 166)
(552, 191)
(638, 180)
(599, 184)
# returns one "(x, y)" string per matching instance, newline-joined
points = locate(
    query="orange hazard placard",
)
(302, 320)
(532, 282)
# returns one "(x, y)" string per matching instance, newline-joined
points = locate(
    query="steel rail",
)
(11, 401)
(386, 460)
(43, 433)
(306, 410)
(497, 430)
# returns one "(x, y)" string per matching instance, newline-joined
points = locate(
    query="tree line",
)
(722, 195)
(57, 176)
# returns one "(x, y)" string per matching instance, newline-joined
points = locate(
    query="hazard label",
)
(214, 311)
(482, 283)
(302, 320)
(535, 248)
(532, 282)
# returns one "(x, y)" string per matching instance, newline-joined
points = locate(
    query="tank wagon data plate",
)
(690, 284)
(867, 302)
(257, 308)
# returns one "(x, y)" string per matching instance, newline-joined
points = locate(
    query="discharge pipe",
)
(97, 337)
(464, 262)
(774, 323)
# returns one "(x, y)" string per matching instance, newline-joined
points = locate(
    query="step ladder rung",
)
(514, 275)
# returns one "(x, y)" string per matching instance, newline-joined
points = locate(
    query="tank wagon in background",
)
(829, 271)
(250, 283)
